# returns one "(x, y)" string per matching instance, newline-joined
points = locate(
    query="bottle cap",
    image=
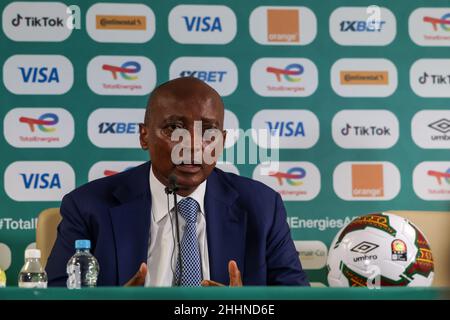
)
(32, 254)
(82, 244)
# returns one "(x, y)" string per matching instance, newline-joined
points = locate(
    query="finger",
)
(210, 283)
(139, 278)
(235, 274)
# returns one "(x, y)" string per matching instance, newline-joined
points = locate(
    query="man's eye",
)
(171, 127)
(206, 128)
(174, 126)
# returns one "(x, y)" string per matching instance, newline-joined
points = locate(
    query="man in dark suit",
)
(233, 230)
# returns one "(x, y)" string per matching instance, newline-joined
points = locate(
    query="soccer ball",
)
(380, 249)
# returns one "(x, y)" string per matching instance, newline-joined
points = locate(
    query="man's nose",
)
(196, 146)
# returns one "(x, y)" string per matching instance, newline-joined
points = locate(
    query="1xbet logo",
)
(207, 76)
(362, 26)
(118, 128)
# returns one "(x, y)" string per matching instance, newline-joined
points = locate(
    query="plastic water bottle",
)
(82, 268)
(32, 275)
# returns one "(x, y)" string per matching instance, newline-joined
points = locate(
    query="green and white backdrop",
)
(356, 91)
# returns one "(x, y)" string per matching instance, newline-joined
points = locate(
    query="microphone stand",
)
(173, 188)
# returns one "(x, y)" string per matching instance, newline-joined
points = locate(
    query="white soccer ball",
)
(380, 249)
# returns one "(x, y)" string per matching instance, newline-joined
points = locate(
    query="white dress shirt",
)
(162, 249)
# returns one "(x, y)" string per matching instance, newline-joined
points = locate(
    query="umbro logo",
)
(442, 125)
(364, 247)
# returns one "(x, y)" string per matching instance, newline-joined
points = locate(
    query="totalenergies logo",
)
(126, 70)
(444, 22)
(440, 175)
(289, 73)
(45, 122)
(292, 176)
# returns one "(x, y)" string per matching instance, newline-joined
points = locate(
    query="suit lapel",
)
(226, 226)
(131, 222)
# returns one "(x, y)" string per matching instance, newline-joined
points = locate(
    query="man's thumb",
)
(235, 274)
(139, 278)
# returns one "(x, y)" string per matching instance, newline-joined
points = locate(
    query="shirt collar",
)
(159, 197)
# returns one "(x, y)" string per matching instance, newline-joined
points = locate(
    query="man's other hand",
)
(235, 277)
(139, 278)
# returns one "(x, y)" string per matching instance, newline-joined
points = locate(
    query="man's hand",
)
(235, 277)
(139, 278)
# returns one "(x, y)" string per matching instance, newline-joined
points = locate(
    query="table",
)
(226, 293)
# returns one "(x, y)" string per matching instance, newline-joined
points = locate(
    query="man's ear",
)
(143, 136)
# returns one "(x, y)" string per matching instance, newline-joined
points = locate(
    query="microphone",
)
(173, 188)
(173, 182)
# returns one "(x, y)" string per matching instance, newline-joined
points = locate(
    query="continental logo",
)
(364, 77)
(120, 22)
(109, 22)
(376, 220)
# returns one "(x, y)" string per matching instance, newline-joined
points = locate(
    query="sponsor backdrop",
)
(358, 96)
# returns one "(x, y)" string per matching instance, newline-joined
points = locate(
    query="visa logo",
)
(41, 181)
(118, 127)
(286, 128)
(39, 74)
(202, 24)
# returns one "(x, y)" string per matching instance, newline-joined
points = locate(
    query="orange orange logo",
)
(367, 180)
(283, 25)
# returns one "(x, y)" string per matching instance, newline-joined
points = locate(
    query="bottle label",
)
(33, 285)
(2, 279)
(74, 277)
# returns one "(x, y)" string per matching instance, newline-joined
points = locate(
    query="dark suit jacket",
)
(245, 221)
